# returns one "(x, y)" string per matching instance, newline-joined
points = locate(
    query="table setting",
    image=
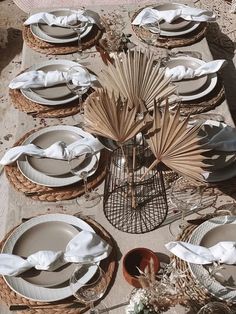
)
(136, 122)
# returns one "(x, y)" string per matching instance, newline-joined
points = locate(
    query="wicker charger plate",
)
(171, 42)
(109, 265)
(60, 49)
(43, 193)
(208, 102)
(20, 102)
(192, 289)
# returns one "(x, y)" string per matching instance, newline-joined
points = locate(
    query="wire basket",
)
(130, 204)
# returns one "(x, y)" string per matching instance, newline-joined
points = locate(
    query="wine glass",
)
(78, 82)
(149, 32)
(215, 308)
(91, 291)
(83, 162)
(184, 196)
(79, 27)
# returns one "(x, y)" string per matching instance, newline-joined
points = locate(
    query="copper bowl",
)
(138, 258)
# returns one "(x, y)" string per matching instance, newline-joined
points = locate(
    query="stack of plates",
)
(208, 234)
(54, 95)
(179, 27)
(52, 172)
(47, 232)
(196, 88)
(56, 34)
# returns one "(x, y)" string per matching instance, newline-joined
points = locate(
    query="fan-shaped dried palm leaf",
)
(136, 75)
(176, 145)
(110, 117)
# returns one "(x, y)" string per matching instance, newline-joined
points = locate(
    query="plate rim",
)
(38, 33)
(195, 238)
(32, 96)
(22, 165)
(213, 81)
(65, 291)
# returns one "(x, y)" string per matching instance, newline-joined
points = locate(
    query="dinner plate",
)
(49, 235)
(48, 96)
(40, 33)
(52, 181)
(188, 86)
(31, 291)
(208, 234)
(205, 89)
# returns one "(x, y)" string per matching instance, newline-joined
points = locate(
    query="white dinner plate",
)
(39, 33)
(52, 181)
(31, 94)
(34, 292)
(205, 89)
(209, 233)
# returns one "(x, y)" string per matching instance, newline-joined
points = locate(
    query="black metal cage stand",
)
(130, 204)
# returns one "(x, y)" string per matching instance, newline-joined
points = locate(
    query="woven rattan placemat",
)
(60, 49)
(192, 289)
(206, 103)
(43, 193)
(170, 42)
(43, 111)
(109, 265)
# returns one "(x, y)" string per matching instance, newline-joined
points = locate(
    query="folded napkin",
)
(37, 79)
(151, 15)
(224, 140)
(58, 150)
(222, 252)
(62, 21)
(85, 247)
(181, 72)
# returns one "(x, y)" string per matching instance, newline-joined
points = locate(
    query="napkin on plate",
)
(62, 21)
(58, 150)
(37, 79)
(222, 252)
(182, 72)
(151, 15)
(86, 246)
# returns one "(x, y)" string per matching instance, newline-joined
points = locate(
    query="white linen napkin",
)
(62, 21)
(37, 79)
(85, 247)
(181, 72)
(58, 150)
(151, 15)
(222, 252)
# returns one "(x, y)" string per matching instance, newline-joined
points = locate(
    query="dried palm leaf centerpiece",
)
(137, 75)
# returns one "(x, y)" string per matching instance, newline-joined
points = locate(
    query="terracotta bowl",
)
(138, 257)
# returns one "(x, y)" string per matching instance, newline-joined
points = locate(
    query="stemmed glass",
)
(79, 27)
(184, 196)
(215, 308)
(78, 81)
(91, 291)
(83, 162)
(149, 32)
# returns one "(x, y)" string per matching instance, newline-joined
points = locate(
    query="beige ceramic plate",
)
(51, 235)
(177, 24)
(190, 85)
(53, 167)
(217, 229)
(60, 91)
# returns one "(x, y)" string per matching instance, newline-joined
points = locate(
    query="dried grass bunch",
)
(111, 117)
(175, 144)
(136, 75)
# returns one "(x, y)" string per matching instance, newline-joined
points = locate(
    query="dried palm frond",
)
(137, 75)
(175, 144)
(110, 117)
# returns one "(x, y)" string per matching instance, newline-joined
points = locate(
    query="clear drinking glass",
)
(78, 81)
(83, 162)
(79, 27)
(91, 291)
(215, 308)
(149, 32)
(184, 196)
